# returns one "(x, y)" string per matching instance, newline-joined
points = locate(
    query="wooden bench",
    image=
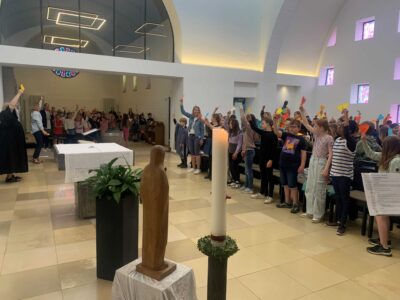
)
(359, 197)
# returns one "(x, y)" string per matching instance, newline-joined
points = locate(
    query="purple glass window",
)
(330, 76)
(363, 94)
(368, 30)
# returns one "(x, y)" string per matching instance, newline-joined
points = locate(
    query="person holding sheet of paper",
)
(389, 162)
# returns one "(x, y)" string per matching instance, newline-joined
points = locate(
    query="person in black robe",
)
(13, 156)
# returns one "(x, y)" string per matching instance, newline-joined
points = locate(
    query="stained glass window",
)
(368, 30)
(330, 76)
(363, 94)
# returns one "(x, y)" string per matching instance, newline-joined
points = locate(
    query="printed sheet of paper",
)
(382, 191)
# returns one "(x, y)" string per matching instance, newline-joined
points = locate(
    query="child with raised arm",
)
(292, 162)
(342, 170)
(389, 162)
(248, 150)
(318, 170)
(235, 149)
(268, 152)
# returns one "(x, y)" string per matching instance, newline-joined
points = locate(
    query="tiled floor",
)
(47, 253)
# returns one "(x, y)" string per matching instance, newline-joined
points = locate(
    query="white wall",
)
(87, 89)
(370, 61)
(153, 100)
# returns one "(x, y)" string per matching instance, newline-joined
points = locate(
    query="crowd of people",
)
(337, 147)
(50, 126)
(283, 141)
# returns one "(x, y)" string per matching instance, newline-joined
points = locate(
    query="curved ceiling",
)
(309, 26)
(224, 33)
(283, 36)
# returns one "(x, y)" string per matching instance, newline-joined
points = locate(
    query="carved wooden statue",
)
(154, 193)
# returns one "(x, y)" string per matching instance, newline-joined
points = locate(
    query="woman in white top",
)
(37, 130)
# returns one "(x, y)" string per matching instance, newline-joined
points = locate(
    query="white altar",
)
(80, 158)
(131, 285)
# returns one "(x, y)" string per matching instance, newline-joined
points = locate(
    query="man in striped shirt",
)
(342, 170)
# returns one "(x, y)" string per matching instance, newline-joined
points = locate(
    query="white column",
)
(218, 183)
(1, 89)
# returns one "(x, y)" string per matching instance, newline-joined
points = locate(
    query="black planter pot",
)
(217, 273)
(116, 234)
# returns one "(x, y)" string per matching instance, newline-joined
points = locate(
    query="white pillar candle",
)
(218, 184)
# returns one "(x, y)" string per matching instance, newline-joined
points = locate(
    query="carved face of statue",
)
(157, 155)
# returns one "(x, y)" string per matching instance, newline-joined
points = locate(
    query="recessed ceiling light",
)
(130, 49)
(153, 25)
(72, 18)
(64, 41)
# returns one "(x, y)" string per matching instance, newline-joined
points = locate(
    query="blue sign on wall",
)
(65, 73)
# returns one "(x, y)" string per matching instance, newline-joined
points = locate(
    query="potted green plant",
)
(116, 189)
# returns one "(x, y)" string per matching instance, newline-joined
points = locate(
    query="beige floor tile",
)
(347, 290)
(278, 230)
(200, 269)
(174, 234)
(182, 251)
(50, 296)
(7, 204)
(76, 251)
(255, 218)
(246, 262)
(204, 213)
(75, 234)
(21, 242)
(195, 229)
(201, 293)
(305, 225)
(311, 274)
(184, 216)
(250, 236)
(310, 297)
(9, 194)
(233, 223)
(29, 259)
(394, 270)
(29, 283)
(30, 225)
(31, 212)
(382, 283)
(5, 229)
(6, 215)
(340, 262)
(327, 235)
(100, 290)
(77, 273)
(359, 251)
(273, 284)
(276, 253)
(32, 189)
(65, 221)
(238, 208)
(307, 245)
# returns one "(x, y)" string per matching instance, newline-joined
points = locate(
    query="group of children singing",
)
(334, 144)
